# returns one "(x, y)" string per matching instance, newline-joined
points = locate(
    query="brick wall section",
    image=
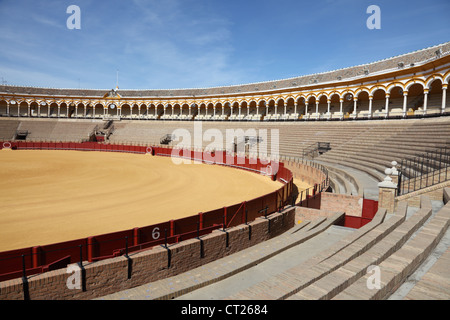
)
(435, 192)
(109, 276)
(351, 205)
(310, 214)
(305, 172)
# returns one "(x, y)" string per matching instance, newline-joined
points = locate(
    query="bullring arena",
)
(359, 181)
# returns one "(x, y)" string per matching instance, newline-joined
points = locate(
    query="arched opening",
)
(415, 100)
(34, 110)
(53, 110)
(125, 111)
(159, 111)
(379, 104)
(151, 112)
(362, 106)
(244, 111)
(348, 105)
(434, 103)
(396, 101)
(310, 107)
(261, 109)
(279, 110)
(209, 111)
(322, 108)
(44, 109)
(3, 108)
(142, 111)
(251, 110)
(301, 107)
(290, 108)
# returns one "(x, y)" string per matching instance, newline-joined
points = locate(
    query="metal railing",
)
(425, 170)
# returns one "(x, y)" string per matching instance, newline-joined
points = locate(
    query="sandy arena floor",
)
(53, 196)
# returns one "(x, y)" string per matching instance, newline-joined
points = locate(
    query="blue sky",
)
(164, 44)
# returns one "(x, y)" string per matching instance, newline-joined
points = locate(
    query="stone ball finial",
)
(388, 171)
(394, 163)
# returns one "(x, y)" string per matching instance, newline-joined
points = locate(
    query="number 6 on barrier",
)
(156, 234)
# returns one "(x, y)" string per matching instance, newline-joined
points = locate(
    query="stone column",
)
(317, 110)
(387, 190)
(306, 110)
(444, 97)
(355, 105)
(405, 103)
(370, 106)
(387, 105)
(341, 108)
(329, 108)
(425, 101)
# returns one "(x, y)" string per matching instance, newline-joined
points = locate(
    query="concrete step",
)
(275, 265)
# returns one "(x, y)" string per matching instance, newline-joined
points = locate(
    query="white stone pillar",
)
(306, 110)
(39, 110)
(7, 108)
(295, 107)
(370, 106)
(329, 108)
(341, 108)
(405, 102)
(355, 106)
(317, 110)
(386, 107)
(387, 191)
(444, 97)
(425, 101)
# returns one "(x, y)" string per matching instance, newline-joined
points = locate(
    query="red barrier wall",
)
(44, 258)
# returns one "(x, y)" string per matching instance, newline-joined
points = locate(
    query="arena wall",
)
(120, 273)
